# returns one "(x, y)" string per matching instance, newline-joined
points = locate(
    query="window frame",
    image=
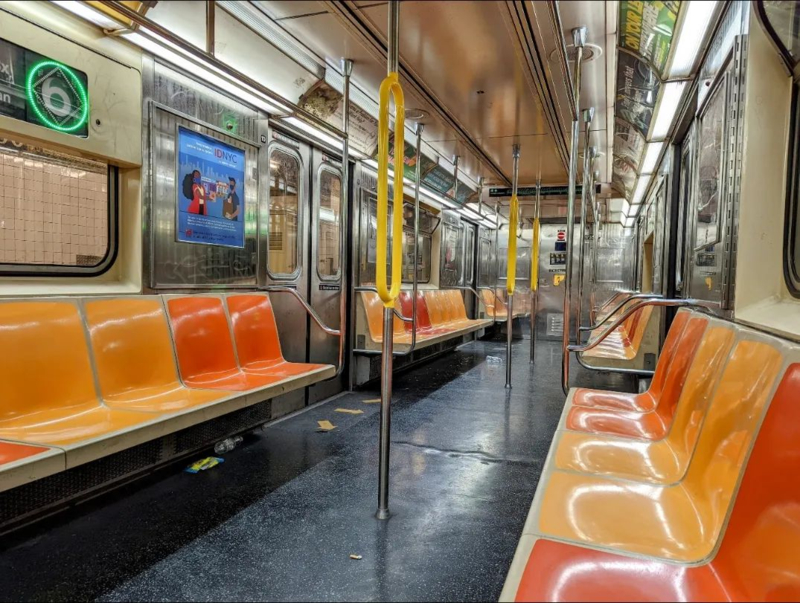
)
(331, 169)
(791, 272)
(301, 194)
(105, 264)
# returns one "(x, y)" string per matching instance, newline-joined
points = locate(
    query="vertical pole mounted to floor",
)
(347, 71)
(535, 267)
(389, 86)
(588, 157)
(511, 263)
(579, 39)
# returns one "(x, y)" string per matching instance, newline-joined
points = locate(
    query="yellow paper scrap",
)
(326, 425)
(350, 411)
(371, 401)
(356, 557)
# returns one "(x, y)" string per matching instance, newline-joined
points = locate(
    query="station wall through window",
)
(328, 224)
(285, 183)
(55, 211)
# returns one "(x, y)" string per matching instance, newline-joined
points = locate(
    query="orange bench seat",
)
(758, 558)
(23, 463)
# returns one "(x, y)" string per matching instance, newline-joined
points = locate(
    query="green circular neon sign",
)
(57, 96)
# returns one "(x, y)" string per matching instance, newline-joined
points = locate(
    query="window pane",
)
(709, 173)
(469, 259)
(485, 264)
(328, 221)
(369, 243)
(453, 253)
(284, 204)
(53, 208)
(423, 258)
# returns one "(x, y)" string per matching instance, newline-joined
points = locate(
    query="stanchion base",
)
(382, 514)
(508, 386)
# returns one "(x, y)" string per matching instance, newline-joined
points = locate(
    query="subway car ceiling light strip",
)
(371, 163)
(691, 35)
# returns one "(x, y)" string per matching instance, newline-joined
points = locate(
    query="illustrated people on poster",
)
(230, 209)
(198, 194)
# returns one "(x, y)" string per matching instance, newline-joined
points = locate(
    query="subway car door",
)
(470, 252)
(287, 223)
(325, 270)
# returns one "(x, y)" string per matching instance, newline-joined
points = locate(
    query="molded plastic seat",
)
(134, 358)
(664, 461)
(373, 307)
(647, 415)
(624, 342)
(257, 343)
(205, 348)
(47, 393)
(23, 463)
(679, 522)
(494, 304)
(758, 558)
(424, 327)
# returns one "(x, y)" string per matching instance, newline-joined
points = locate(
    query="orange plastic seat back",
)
(373, 307)
(701, 380)
(255, 331)
(668, 352)
(407, 309)
(202, 336)
(731, 421)
(423, 317)
(669, 389)
(447, 305)
(640, 326)
(488, 301)
(131, 344)
(45, 364)
(760, 551)
(459, 309)
(435, 308)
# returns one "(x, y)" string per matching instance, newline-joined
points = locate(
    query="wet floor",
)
(280, 518)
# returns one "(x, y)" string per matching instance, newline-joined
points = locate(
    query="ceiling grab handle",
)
(511, 263)
(390, 85)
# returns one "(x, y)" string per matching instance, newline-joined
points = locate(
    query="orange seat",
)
(12, 452)
(623, 343)
(257, 343)
(373, 307)
(647, 415)
(47, 393)
(205, 348)
(757, 560)
(424, 327)
(679, 522)
(134, 358)
(494, 304)
(664, 461)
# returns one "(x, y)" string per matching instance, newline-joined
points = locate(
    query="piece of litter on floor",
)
(203, 464)
(326, 425)
(371, 401)
(356, 557)
(350, 411)
(494, 360)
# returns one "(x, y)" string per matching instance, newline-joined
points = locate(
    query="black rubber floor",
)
(280, 518)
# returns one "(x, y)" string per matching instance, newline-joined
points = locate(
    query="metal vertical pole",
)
(347, 71)
(579, 39)
(388, 313)
(595, 244)
(496, 259)
(481, 180)
(510, 316)
(588, 157)
(211, 31)
(535, 256)
(414, 280)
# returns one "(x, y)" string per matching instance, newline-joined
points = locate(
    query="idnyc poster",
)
(210, 191)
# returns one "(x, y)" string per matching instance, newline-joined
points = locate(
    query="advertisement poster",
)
(647, 29)
(210, 191)
(628, 142)
(637, 91)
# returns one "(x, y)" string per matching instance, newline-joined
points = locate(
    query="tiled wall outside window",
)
(53, 208)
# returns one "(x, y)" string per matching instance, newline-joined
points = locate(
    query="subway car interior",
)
(551, 355)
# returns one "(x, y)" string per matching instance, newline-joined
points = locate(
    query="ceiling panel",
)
(290, 9)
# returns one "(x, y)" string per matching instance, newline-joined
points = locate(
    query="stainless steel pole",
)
(510, 317)
(595, 244)
(579, 39)
(535, 257)
(414, 280)
(211, 30)
(481, 180)
(496, 258)
(347, 71)
(588, 152)
(388, 313)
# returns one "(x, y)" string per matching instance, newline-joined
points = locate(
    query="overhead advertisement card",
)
(647, 28)
(210, 191)
(637, 91)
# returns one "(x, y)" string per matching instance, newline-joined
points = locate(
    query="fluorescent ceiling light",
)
(430, 196)
(322, 136)
(671, 94)
(634, 211)
(691, 35)
(84, 11)
(163, 49)
(469, 214)
(629, 222)
(641, 189)
(651, 157)
(626, 208)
